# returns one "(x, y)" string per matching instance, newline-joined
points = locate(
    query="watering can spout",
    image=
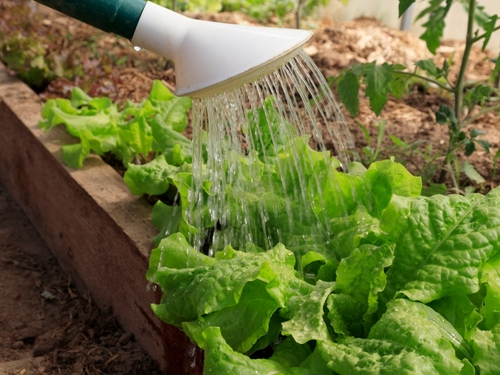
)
(209, 57)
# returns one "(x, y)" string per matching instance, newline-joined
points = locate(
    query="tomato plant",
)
(385, 79)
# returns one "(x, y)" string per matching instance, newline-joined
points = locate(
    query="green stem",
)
(481, 113)
(298, 13)
(479, 37)
(459, 88)
(453, 178)
(437, 83)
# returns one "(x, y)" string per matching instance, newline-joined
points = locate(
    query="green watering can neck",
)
(116, 16)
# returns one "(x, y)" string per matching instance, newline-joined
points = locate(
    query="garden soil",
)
(48, 327)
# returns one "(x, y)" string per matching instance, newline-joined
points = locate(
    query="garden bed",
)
(91, 208)
(99, 233)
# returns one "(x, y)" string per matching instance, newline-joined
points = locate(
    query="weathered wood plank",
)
(100, 233)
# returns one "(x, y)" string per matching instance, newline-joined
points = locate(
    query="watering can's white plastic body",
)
(210, 57)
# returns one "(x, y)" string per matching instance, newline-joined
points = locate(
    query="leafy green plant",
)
(28, 52)
(385, 79)
(27, 57)
(261, 10)
(388, 281)
(131, 133)
(382, 289)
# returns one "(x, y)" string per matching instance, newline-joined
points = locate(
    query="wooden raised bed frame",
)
(100, 233)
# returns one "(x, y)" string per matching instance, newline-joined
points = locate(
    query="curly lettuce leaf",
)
(221, 359)
(173, 109)
(403, 341)
(200, 290)
(442, 242)
(486, 346)
(241, 325)
(125, 132)
(306, 314)
(490, 278)
(360, 278)
(153, 178)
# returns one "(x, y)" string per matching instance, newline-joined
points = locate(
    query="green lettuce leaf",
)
(289, 353)
(306, 314)
(153, 178)
(486, 346)
(241, 325)
(221, 359)
(362, 277)
(460, 312)
(124, 132)
(490, 278)
(403, 341)
(200, 290)
(442, 242)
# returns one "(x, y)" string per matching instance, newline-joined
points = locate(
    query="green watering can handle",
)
(116, 16)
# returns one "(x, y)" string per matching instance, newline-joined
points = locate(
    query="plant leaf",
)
(472, 173)
(242, 324)
(460, 312)
(430, 67)
(221, 359)
(306, 314)
(153, 178)
(348, 89)
(485, 144)
(74, 155)
(404, 5)
(490, 278)
(398, 84)
(496, 69)
(477, 95)
(489, 28)
(486, 346)
(434, 189)
(435, 25)
(445, 114)
(476, 132)
(190, 293)
(362, 276)
(377, 80)
(404, 341)
(431, 234)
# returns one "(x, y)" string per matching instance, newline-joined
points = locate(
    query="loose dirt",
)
(46, 325)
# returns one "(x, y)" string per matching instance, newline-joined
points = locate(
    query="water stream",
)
(262, 169)
(255, 154)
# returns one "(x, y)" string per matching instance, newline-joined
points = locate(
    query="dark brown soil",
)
(46, 325)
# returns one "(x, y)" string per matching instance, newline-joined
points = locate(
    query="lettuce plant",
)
(131, 133)
(376, 280)
(398, 284)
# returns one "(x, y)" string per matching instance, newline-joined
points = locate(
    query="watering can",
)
(209, 57)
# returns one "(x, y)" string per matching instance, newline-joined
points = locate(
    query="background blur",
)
(386, 11)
